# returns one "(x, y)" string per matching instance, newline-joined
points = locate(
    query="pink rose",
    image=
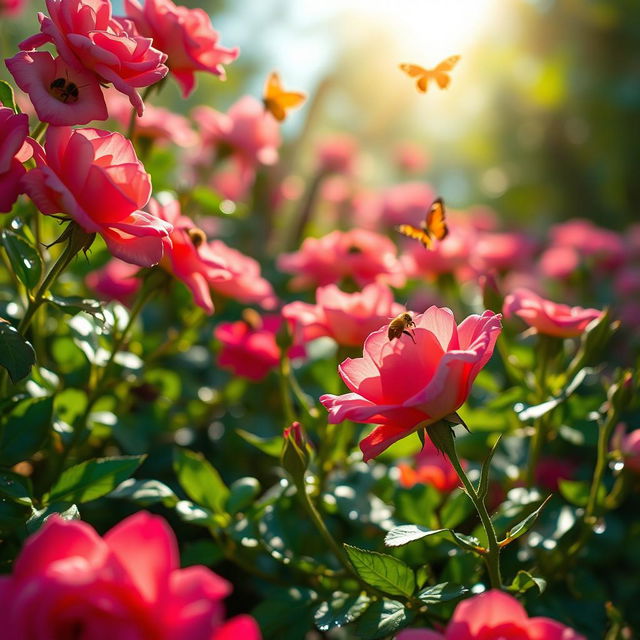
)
(494, 614)
(503, 251)
(348, 318)
(559, 262)
(431, 467)
(14, 150)
(364, 256)
(245, 283)
(249, 347)
(337, 154)
(186, 35)
(549, 318)
(116, 280)
(61, 95)
(95, 178)
(68, 582)
(404, 386)
(88, 37)
(411, 157)
(190, 258)
(406, 203)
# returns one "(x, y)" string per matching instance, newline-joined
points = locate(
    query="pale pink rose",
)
(503, 251)
(411, 157)
(547, 317)
(348, 318)
(404, 386)
(95, 178)
(406, 203)
(364, 256)
(68, 582)
(604, 247)
(189, 258)
(246, 130)
(186, 35)
(61, 95)
(494, 614)
(559, 262)
(245, 283)
(431, 467)
(249, 349)
(337, 153)
(156, 123)
(116, 280)
(14, 150)
(87, 36)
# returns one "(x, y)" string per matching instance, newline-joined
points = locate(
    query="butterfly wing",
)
(446, 65)
(273, 87)
(274, 107)
(277, 100)
(422, 235)
(413, 70)
(290, 99)
(435, 223)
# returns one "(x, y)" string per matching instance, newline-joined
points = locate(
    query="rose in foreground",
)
(348, 318)
(403, 386)
(494, 614)
(68, 582)
(87, 36)
(14, 129)
(547, 317)
(95, 178)
(186, 35)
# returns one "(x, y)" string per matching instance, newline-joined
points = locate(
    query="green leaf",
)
(200, 481)
(383, 618)
(15, 487)
(457, 508)
(6, 96)
(442, 592)
(242, 494)
(145, 492)
(342, 609)
(85, 333)
(399, 536)
(193, 514)
(16, 354)
(92, 479)
(382, 571)
(577, 492)
(75, 304)
(525, 581)
(26, 430)
(13, 515)
(271, 446)
(524, 525)
(63, 509)
(24, 258)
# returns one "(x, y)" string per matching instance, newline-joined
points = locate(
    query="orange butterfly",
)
(276, 100)
(439, 73)
(434, 226)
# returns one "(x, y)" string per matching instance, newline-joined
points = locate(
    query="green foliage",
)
(384, 572)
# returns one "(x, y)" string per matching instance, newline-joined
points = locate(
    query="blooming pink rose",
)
(606, 248)
(249, 347)
(494, 614)
(88, 37)
(337, 154)
(186, 35)
(364, 256)
(14, 150)
(245, 283)
(95, 178)
(68, 582)
(404, 386)
(503, 251)
(549, 318)
(116, 280)
(431, 467)
(61, 95)
(559, 262)
(348, 318)
(189, 257)
(406, 203)
(156, 123)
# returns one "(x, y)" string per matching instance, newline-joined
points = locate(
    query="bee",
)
(439, 74)
(399, 325)
(434, 226)
(64, 90)
(276, 100)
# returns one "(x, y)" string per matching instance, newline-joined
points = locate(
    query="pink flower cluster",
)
(68, 582)
(14, 150)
